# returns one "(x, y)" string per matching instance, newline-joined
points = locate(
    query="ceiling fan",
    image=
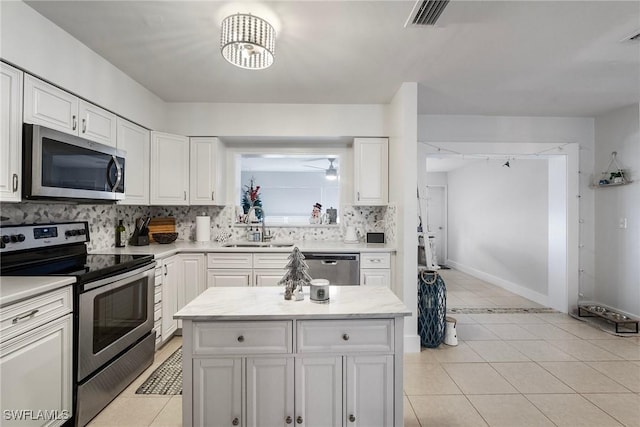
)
(331, 173)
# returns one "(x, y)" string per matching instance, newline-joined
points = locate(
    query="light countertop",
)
(181, 246)
(268, 303)
(14, 288)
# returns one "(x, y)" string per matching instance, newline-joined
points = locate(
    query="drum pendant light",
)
(247, 41)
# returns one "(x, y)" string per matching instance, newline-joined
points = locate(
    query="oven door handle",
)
(142, 271)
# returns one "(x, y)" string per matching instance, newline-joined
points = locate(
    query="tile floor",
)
(512, 370)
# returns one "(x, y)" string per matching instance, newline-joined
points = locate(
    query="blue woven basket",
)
(432, 308)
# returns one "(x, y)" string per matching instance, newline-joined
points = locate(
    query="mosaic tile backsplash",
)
(103, 219)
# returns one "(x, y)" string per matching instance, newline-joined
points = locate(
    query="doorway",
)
(436, 209)
(563, 278)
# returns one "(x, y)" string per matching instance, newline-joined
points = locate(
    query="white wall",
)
(498, 221)
(617, 253)
(529, 135)
(35, 44)
(403, 147)
(276, 120)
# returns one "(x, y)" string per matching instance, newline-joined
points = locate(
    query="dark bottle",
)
(120, 237)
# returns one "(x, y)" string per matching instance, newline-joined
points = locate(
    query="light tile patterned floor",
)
(512, 370)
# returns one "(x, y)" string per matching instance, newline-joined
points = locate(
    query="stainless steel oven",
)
(113, 314)
(113, 339)
(60, 166)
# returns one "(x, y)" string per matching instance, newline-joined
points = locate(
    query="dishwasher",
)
(338, 268)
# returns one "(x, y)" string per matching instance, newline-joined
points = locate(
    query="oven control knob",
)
(2, 245)
(82, 232)
(69, 233)
(17, 238)
(6, 239)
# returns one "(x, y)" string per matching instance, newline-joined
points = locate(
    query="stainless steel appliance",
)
(60, 166)
(113, 306)
(339, 269)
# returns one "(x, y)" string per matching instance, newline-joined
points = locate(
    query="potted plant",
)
(617, 177)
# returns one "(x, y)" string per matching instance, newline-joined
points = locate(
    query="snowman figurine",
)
(316, 217)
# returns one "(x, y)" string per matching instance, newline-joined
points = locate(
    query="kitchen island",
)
(251, 358)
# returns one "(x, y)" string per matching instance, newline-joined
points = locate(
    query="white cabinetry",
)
(371, 171)
(157, 307)
(36, 358)
(171, 277)
(47, 105)
(245, 269)
(169, 169)
(343, 376)
(135, 140)
(207, 169)
(10, 134)
(375, 269)
(192, 279)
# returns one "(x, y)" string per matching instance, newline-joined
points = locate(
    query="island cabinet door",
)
(319, 391)
(270, 391)
(369, 389)
(217, 397)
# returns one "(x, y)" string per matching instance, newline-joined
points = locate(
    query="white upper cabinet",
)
(207, 170)
(169, 169)
(371, 171)
(11, 134)
(97, 124)
(49, 106)
(135, 140)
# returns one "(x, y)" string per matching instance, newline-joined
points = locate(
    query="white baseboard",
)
(412, 343)
(502, 283)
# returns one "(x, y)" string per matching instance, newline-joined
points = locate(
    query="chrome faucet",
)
(263, 234)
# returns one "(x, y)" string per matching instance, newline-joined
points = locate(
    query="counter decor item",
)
(316, 214)
(164, 238)
(319, 291)
(296, 276)
(161, 225)
(251, 198)
(350, 235)
(203, 228)
(333, 215)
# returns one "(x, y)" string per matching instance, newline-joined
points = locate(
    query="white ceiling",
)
(547, 58)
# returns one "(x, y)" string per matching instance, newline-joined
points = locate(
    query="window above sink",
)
(291, 184)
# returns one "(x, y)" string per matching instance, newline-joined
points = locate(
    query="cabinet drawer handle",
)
(185, 194)
(288, 420)
(235, 421)
(213, 195)
(352, 418)
(299, 420)
(241, 338)
(15, 182)
(345, 337)
(358, 196)
(165, 269)
(25, 316)
(75, 122)
(84, 125)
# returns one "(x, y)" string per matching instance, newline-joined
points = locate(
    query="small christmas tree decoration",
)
(296, 276)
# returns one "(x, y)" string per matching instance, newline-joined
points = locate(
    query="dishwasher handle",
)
(333, 257)
(329, 262)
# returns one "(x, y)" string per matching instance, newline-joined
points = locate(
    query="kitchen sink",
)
(257, 245)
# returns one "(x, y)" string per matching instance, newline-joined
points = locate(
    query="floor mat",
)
(166, 379)
(490, 310)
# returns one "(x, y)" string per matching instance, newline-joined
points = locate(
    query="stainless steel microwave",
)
(59, 166)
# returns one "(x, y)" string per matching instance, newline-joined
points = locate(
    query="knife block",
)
(137, 240)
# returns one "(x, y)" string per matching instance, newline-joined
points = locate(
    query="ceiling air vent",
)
(426, 12)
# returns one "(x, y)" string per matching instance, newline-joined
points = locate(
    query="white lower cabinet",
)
(375, 269)
(217, 385)
(170, 279)
(192, 279)
(369, 391)
(256, 374)
(36, 371)
(245, 269)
